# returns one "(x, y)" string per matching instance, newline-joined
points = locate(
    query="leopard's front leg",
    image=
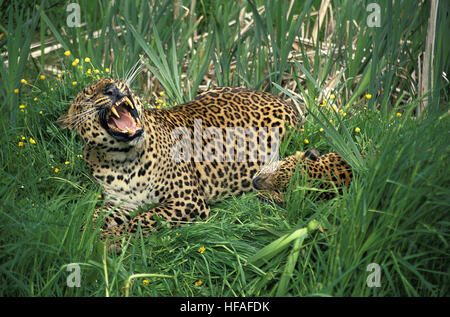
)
(173, 211)
(269, 196)
(115, 215)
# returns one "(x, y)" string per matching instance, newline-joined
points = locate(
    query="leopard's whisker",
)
(134, 72)
(82, 114)
(78, 119)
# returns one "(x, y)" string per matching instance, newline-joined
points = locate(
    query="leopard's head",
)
(276, 176)
(268, 177)
(272, 178)
(106, 113)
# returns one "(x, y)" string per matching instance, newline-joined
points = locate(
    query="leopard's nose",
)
(256, 182)
(114, 92)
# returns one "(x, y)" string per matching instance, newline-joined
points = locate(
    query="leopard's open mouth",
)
(122, 120)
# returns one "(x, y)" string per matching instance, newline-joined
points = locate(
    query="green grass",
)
(395, 213)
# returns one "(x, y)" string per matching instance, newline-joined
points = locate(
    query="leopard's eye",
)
(113, 91)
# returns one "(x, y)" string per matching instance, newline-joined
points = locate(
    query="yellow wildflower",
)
(16, 91)
(56, 170)
(74, 83)
(87, 59)
(42, 77)
(399, 114)
(332, 96)
(67, 53)
(75, 62)
(146, 282)
(23, 138)
(201, 249)
(306, 141)
(67, 162)
(100, 196)
(107, 69)
(161, 93)
(89, 71)
(331, 121)
(20, 144)
(321, 129)
(368, 96)
(22, 106)
(96, 71)
(32, 141)
(198, 283)
(357, 130)
(23, 81)
(40, 112)
(59, 75)
(35, 98)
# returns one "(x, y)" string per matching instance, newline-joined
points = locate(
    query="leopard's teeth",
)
(128, 101)
(114, 111)
(129, 131)
(138, 123)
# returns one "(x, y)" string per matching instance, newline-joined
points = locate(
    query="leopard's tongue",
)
(125, 122)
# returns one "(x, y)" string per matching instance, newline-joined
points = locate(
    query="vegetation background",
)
(380, 90)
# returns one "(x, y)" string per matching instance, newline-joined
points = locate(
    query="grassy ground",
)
(359, 85)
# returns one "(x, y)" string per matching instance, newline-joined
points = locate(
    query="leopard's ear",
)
(312, 154)
(63, 122)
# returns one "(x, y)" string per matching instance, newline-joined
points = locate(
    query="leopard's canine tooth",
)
(114, 111)
(129, 131)
(138, 122)
(128, 101)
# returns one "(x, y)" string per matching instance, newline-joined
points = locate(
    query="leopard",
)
(169, 165)
(330, 171)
